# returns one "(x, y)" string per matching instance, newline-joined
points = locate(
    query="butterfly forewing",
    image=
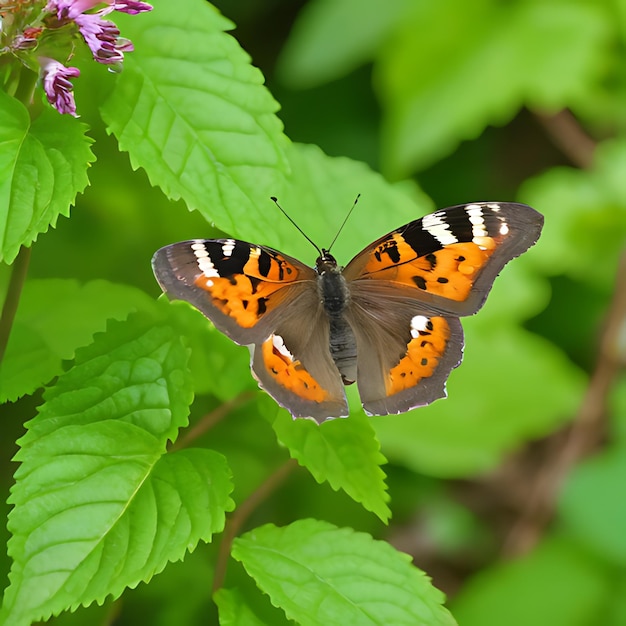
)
(450, 258)
(240, 287)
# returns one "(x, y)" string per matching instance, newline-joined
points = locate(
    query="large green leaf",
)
(193, 112)
(98, 503)
(320, 574)
(43, 165)
(343, 452)
(322, 190)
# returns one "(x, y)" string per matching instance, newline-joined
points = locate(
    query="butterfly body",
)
(334, 294)
(389, 320)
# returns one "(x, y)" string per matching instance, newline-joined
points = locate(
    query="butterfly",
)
(388, 321)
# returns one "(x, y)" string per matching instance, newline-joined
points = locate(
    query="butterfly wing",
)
(449, 259)
(409, 287)
(267, 300)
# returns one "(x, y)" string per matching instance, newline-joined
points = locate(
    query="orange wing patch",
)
(428, 344)
(449, 272)
(289, 373)
(243, 288)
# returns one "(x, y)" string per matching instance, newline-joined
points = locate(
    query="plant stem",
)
(241, 514)
(16, 282)
(211, 419)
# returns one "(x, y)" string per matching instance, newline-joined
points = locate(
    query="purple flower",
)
(102, 36)
(57, 85)
(69, 9)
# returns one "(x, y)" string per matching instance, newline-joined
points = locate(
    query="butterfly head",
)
(326, 263)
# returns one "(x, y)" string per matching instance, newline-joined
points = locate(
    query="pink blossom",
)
(57, 85)
(102, 37)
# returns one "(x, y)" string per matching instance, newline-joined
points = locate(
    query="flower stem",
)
(9, 308)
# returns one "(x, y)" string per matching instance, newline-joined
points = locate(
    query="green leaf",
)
(43, 166)
(320, 48)
(320, 574)
(444, 80)
(343, 452)
(497, 399)
(592, 507)
(41, 337)
(555, 585)
(98, 504)
(193, 112)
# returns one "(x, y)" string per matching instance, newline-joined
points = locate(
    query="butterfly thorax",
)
(331, 284)
(335, 298)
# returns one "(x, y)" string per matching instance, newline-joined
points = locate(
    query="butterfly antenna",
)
(275, 201)
(344, 221)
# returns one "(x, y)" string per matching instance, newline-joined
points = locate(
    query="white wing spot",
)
(494, 207)
(504, 228)
(418, 323)
(199, 249)
(475, 215)
(279, 344)
(438, 228)
(228, 246)
(204, 262)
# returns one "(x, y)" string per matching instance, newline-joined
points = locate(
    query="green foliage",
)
(590, 510)
(42, 168)
(585, 237)
(39, 343)
(461, 436)
(557, 585)
(98, 504)
(491, 59)
(321, 574)
(222, 164)
(142, 443)
(345, 453)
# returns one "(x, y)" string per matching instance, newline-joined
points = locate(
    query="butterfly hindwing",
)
(295, 367)
(405, 353)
